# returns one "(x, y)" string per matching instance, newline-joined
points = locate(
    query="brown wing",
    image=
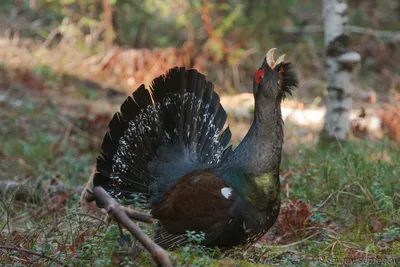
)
(195, 203)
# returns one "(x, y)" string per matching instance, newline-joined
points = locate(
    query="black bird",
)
(167, 148)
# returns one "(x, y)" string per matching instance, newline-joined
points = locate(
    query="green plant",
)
(317, 216)
(390, 234)
(195, 254)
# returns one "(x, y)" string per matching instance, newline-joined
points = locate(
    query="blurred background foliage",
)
(230, 35)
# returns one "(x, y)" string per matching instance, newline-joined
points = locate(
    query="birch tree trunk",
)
(340, 62)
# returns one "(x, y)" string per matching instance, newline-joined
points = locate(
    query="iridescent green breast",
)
(262, 189)
(268, 184)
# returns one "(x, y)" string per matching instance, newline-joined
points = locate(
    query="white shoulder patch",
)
(226, 192)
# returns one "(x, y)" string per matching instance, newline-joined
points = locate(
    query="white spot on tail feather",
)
(226, 192)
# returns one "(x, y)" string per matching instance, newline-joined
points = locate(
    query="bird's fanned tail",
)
(161, 134)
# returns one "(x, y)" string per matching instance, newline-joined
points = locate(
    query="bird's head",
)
(274, 79)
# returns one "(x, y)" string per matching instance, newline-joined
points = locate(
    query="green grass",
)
(349, 186)
(36, 142)
(352, 189)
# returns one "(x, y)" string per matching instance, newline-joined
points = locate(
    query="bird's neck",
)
(260, 150)
(258, 156)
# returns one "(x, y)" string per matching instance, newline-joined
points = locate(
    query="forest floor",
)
(341, 203)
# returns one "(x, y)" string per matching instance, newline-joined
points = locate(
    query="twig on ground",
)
(289, 245)
(25, 192)
(90, 216)
(281, 246)
(85, 193)
(276, 256)
(123, 216)
(32, 252)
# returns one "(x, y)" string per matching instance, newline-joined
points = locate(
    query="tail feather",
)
(167, 240)
(118, 125)
(225, 139)
(157, 138)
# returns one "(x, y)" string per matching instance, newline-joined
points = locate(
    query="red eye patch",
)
(259, 76)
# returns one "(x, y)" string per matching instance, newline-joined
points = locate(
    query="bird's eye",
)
(259, 76)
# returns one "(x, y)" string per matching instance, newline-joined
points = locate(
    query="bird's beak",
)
(269, 58)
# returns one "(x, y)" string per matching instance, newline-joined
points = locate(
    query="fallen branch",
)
(28, 192)
(32, 252)
(389, 35)
(292, 244)
(123, 216)
(286, 246)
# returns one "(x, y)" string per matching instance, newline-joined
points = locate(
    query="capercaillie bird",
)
(168, 148)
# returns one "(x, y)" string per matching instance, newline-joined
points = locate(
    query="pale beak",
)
(269, 58)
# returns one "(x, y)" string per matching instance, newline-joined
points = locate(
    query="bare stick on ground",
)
(32, 252)
(123, 216)
(28, 191)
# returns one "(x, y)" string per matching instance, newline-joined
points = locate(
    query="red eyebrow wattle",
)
(258, 76)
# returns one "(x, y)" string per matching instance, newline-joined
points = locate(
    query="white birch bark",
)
(339, 64)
